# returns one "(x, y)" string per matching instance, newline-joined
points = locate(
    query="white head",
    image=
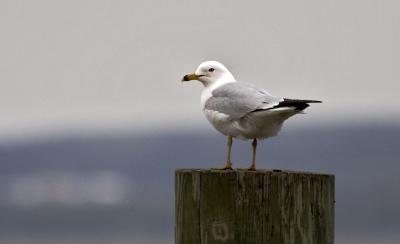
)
(210, 72)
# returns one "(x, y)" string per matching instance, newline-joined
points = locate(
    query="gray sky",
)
(115, 65)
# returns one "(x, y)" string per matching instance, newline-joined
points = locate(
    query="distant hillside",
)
(130, 178)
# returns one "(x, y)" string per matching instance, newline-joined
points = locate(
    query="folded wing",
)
(238, 99)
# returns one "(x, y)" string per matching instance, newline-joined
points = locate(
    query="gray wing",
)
(237, 99)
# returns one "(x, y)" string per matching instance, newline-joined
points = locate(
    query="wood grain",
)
(242, 207)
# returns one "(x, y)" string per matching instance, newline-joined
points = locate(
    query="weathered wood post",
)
(253, 207)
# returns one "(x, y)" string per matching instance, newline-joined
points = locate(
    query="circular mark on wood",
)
(220, 231)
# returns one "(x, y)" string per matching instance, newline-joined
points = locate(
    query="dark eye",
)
(211, 70)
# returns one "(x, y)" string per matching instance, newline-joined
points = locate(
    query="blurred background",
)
(94, 118)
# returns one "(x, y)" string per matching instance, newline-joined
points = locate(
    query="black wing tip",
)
(313, 101)
(302, 100)
(298, 104)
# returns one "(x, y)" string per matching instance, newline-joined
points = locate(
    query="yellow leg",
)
(253, 161)
(228, 164)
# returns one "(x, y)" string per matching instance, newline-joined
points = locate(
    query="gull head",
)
(210, 72)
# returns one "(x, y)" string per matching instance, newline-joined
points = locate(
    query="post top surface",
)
(244, 171)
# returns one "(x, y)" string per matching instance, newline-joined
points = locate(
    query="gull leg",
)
(253, 161)
(228, 164)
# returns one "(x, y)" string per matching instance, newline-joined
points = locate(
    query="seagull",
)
(241, 110)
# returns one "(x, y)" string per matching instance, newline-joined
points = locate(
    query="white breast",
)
(223, 123)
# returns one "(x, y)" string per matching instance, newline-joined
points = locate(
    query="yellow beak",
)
(191, 76)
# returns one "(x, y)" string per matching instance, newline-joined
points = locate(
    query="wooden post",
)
(271, 207)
